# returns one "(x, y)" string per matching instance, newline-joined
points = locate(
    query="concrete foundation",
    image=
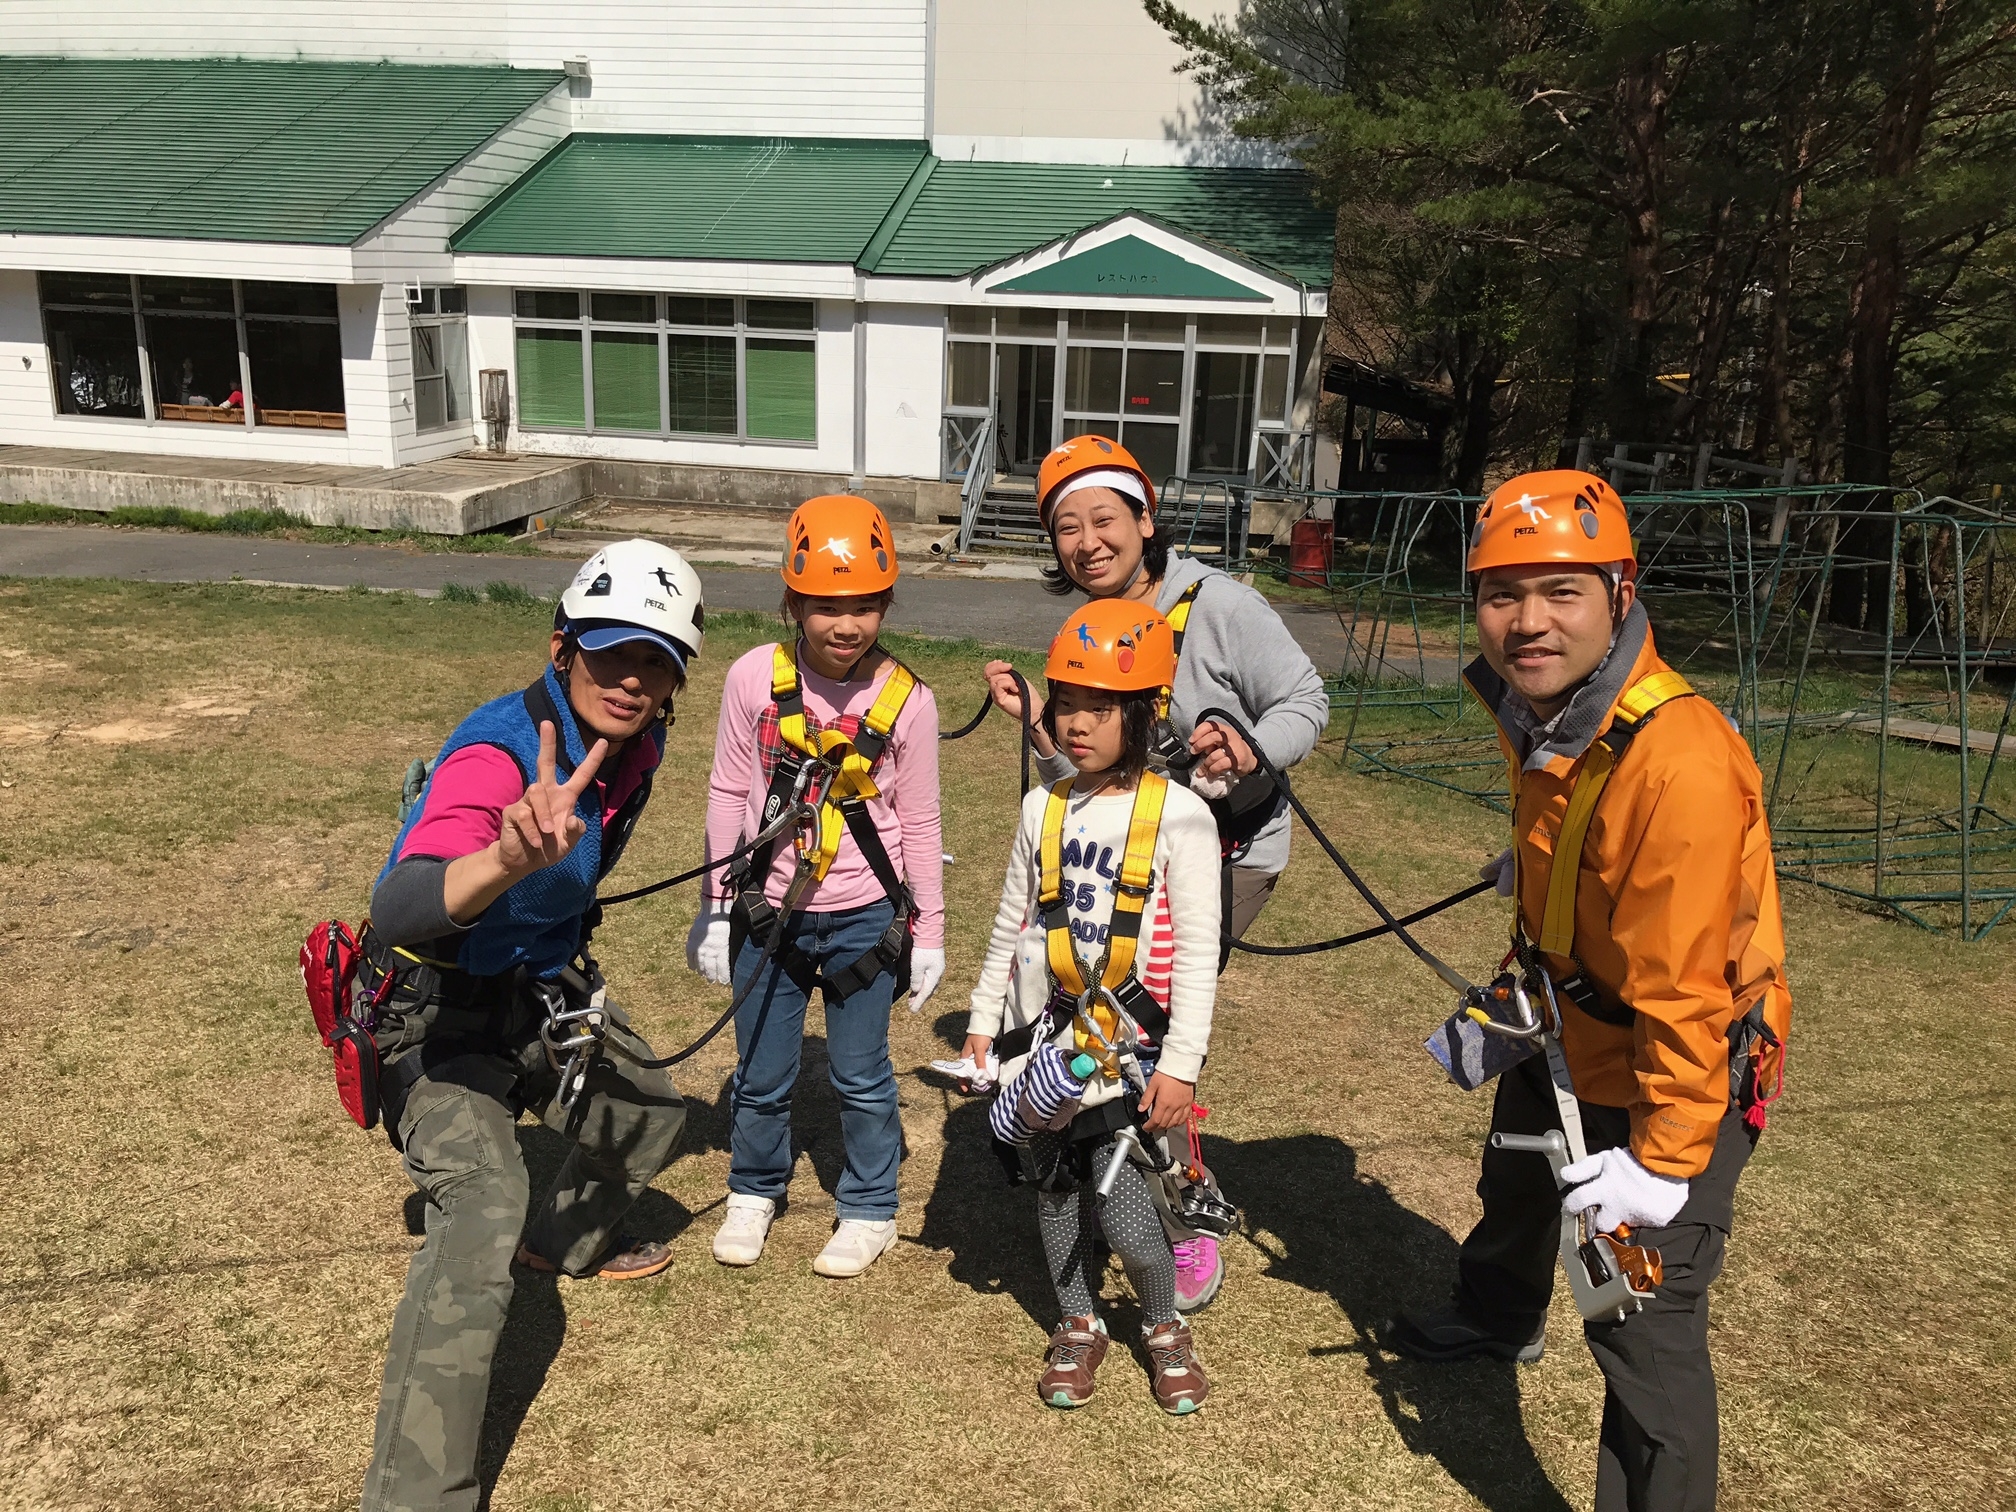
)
(670, 483)
(453, 496)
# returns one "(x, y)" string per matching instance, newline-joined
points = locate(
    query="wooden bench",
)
(215, 414)
(218, 415)
(304, 419)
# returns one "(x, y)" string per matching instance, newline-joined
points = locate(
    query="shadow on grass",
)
(1321, 1226)
(536, 1325)
(1317, 1225)
(988, 1226)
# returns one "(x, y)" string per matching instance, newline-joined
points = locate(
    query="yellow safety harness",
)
(831, 777)
(1113, 984)
(1556, 936)
(851, 762)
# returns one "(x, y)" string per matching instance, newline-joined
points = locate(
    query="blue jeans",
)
(769, 1031)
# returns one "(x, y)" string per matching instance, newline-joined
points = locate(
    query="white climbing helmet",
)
(636, 590)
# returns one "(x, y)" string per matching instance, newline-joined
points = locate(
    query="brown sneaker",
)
(1076, 1348)
(1174, 1374)
(628, 1259)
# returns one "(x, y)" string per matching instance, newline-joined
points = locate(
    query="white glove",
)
(971, 1078)
(1500, 872)
(1210, 789)
(927, 970)
(1622, 1191)
(707, 945)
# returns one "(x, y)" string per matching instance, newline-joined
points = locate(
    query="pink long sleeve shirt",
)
(905, 809)
(464, 808)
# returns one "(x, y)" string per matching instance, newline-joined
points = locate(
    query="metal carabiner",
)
(1525, 1023)
(573, 1033)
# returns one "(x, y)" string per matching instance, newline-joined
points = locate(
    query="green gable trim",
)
(1129, 268)
(238, 150)
(970, 216)
(742, 199)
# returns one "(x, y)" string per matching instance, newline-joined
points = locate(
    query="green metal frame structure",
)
(1887, 748)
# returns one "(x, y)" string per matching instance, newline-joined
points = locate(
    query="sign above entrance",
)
(1128, 268)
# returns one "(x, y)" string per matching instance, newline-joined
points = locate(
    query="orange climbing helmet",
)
(1115, 644)
(1560, 516)
(1078, 459)
(838, 545)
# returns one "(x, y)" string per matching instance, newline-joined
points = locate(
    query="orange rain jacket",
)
(1676, 914)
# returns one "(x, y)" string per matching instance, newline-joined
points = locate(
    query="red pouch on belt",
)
(329, 959)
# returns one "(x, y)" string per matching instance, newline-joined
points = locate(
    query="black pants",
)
(1660, 1438)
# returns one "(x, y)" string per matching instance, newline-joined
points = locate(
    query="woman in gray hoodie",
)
(1233, 652)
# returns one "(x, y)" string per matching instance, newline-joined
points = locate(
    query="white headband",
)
(1119, 479)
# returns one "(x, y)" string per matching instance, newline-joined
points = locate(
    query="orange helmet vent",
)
(1557, 516)
(838, 545)
(1115, 644)
(1083, 454)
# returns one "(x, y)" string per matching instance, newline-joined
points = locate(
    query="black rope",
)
(1427, 957)
(987, 704)
(686, 876)
(1364, 934)
(734, 1004)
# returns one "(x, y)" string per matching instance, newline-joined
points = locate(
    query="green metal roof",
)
(1128, 265)
(970, 215)
(744, 199)
(886, 207)
(237, 150)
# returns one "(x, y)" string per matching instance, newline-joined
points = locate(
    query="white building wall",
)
(1072, 81)
(906, 380)
(803, 67)
(413, 245)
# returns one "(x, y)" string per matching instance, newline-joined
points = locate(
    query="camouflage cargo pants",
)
(457, 1126)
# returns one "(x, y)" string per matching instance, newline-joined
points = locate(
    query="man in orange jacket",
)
(1667, 953)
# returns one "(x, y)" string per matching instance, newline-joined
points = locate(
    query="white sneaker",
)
(856, 1244)
(739, 1240)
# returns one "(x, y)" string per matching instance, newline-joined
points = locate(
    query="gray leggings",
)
(1132, 1227)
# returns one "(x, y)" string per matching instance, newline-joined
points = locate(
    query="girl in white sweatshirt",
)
(1112, 886)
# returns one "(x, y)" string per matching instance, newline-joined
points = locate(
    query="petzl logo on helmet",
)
(665, 582)
(1085, 636)
(1532, 508)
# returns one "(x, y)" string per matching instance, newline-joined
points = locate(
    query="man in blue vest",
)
(479, 924)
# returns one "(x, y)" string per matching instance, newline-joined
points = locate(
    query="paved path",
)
(996, 611)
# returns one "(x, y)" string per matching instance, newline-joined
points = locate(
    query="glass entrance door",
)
(1025, 400)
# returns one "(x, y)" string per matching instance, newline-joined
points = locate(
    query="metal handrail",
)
(979, 473)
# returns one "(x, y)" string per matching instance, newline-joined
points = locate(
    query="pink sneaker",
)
(1200, 1271)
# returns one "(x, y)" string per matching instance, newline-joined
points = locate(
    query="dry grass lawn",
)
(202, 1255)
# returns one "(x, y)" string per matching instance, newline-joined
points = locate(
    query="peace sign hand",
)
(542, 827)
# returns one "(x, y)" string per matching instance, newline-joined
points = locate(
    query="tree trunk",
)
(1642, 94)
(1877, 293)
(1474, 418)
(1575, 421)
(1698, 413)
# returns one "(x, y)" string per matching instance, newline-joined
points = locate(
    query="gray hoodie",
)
(1237, 655)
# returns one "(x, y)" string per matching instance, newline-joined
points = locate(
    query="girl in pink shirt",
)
(849, 904)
